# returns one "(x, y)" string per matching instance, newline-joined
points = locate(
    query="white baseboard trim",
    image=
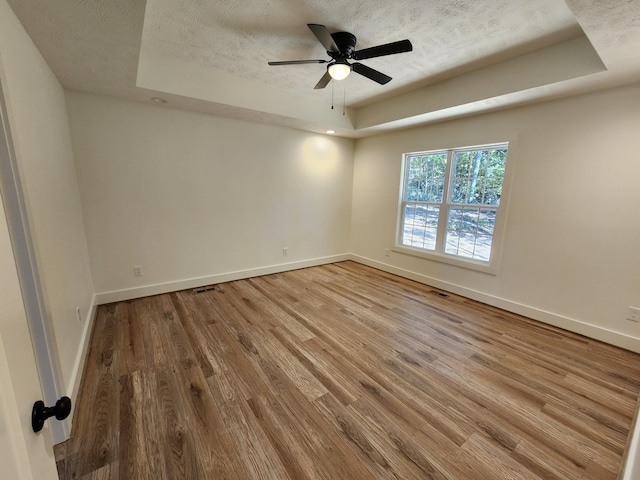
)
(159, 288)
(73, 387)
(576, 326)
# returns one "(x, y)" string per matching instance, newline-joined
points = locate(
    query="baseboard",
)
(73, 387)
(576, 326)
(156, 289)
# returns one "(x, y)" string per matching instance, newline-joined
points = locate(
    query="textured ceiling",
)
(212, 56)
(241, 37)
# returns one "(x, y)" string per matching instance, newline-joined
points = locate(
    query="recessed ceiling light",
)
(331, 131)
(158, 100)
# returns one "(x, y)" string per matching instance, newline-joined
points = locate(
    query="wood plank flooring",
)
(343, 372)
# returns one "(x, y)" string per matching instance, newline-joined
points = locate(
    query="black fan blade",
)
(322, 34)
(324, 81)
(297, 62)
(370, 73)
(382, 50)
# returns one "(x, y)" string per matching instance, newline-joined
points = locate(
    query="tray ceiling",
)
(469, 55)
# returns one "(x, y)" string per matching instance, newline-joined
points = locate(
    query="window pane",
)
(413, 189)
(477, 176)
(470, 232)
(419, 226)
(425, 177)
(454, 223)
(486, 221)
(452, 244)
(433, 213)
(482, 249)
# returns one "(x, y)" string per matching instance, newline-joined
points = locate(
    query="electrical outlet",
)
(633, 314)
(137, 271)
(78, 315)
(387, 253)
(285, 251)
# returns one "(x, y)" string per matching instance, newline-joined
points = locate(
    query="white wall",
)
(37, 115)
(190, 196)
(571, 255)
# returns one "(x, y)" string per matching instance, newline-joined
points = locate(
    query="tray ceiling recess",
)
(467, 57)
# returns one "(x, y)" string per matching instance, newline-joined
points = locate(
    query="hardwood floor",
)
(343, 372)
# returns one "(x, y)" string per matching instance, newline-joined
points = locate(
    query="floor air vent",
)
(204, 289)
(440, 294)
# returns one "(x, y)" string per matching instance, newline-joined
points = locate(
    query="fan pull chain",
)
(332, 88)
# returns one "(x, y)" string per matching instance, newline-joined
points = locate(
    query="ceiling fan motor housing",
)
(346, 43)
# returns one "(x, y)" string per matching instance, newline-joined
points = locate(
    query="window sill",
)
(449, 259)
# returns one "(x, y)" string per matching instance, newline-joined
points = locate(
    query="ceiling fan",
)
(341, 47)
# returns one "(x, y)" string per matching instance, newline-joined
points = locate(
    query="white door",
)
(17, 222)
(23, 454)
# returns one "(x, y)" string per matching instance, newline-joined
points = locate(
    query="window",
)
(450, 201)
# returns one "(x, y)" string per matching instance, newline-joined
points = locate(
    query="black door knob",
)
(40, 413)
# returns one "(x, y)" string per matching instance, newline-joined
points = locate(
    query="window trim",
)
(492, 266)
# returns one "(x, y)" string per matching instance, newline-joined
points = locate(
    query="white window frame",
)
(439, 254)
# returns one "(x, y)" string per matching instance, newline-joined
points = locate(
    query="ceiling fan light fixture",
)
(339, 71)
(341, 46)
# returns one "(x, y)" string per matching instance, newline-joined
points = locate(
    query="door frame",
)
(44, 348)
